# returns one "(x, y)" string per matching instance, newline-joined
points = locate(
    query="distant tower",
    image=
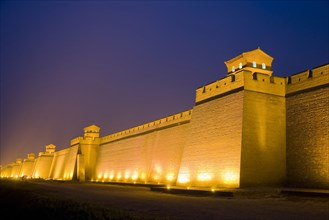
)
(88, 147)
(253, 61)
(91, 132)
(50, 148)
(31, 156)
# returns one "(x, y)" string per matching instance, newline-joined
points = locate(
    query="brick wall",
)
(154, 156)
(308, 139)
(211, 156)
(263, 157)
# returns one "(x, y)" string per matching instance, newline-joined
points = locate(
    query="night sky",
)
(69, 64)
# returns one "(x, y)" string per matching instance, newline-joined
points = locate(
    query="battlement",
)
(308, 79)
(76, 140)
(31, 156)
(264, 83)
(50, 149)
(172, 120)
(258, 82)
(91, 132)
(219, 87)
(19, 161)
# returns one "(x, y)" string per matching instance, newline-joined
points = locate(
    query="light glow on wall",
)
(134, 176)
(230, 178)
(127, 175)
(119, 176)
(183, 178)
(204, 177)
(170, 177)
(106, 175)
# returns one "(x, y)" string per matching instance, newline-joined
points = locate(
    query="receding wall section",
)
(42, 166)
(148, 153)
(211, 157)
(27, 167)
(63, 165)
(16, 168)
(308, 129)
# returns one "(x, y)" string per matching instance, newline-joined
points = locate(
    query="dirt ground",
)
(148, 204)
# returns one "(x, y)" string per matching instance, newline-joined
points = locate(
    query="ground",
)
(69, 200)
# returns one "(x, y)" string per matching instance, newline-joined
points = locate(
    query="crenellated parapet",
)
(76, 140)
(308, 79)
(219, 88)
(263, 83)
(243, 80)
(172, 120)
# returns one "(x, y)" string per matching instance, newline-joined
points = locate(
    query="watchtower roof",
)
(252, 55)
(92, 128)
(254, 61)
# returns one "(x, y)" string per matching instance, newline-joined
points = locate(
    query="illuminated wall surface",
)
(27, 168)
(211, 157)
(42, 166)
(308, 128)
(248, 129)
(63, 164)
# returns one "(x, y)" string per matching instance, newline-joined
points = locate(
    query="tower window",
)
(240, 65)
(263, 66)
(233, 68)
(254, 64)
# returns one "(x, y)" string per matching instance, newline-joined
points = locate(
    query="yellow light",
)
(106, 175)
(204, 177)
(213, 190)
(158, 168)
(100, 176)
(156, 177)
(230, 177)
(134, 176)
(170, 177)
(111, 176)
(143, 176)
(118, 176)
(183, 178)
(92, 180)
(168, 187)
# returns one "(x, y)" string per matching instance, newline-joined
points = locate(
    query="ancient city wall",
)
(247, 129)
(211, 156)
(16, 168)
(63, 164)
(147, 153)
(6, 170)
(264, 131)
(308, 128)
(42, 166)
(27, 168)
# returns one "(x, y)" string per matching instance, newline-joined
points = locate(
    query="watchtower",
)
(254, 61)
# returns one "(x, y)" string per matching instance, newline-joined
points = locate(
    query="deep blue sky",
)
(68, 64)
